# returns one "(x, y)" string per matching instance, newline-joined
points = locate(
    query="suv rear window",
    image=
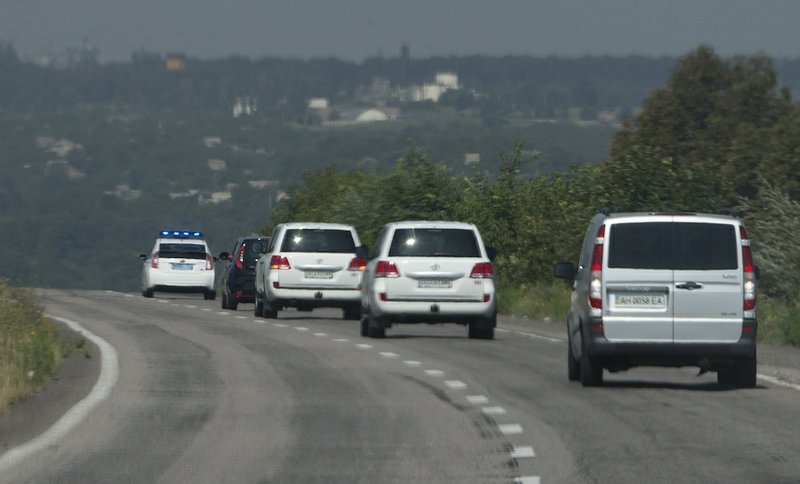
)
(434, 243)
(182, 251)
(673, 245)
(253, 250)
(318, 240)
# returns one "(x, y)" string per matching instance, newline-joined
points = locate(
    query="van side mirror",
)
(362, 251)
(491, 253)
(564, 270)
(143, 256)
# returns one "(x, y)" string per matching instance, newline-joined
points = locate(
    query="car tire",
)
(351, 312)
(209, 294)
(745, 372)
(148, 293)
(233, 303)
(364, 326)
(224, 298)
(269, 311)
(591, 370)
(259, 309)
(374, 328)
(481, 329)
(573, 365)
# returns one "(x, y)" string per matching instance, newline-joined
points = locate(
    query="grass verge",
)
(30, 346)
(538, 301)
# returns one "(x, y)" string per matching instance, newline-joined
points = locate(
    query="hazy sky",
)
(357, 29)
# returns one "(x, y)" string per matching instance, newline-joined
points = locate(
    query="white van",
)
(663, 289)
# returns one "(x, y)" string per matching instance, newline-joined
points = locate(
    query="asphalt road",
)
(205, 395)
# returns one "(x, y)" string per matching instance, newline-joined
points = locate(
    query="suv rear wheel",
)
(480, 330)
(374, 327)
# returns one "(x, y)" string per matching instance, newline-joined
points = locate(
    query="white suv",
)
(179, 262)
(663, 289)
(309, 265)
(429, 272)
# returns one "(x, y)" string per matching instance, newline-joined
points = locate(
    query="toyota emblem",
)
(435, 267)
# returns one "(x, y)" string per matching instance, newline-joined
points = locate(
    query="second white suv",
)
(429, 272)
(309, 265)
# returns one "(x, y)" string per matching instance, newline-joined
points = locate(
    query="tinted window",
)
(434, 242)
(253, 250)
(182, 251)
(678, 246)
(318, 240)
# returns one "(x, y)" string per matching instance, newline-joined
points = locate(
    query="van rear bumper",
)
(628, 354)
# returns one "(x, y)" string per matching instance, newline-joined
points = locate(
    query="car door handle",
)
(690, 286)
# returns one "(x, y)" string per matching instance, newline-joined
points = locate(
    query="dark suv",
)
(238, 278)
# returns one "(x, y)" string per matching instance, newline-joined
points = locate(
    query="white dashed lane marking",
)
(477, 399)
(455, 384)
(279, 325)
(413, 363)
(510, 429)
(364, 346)
(527, 480)
(388, 354)
(435, 373)
(341, 340)
(494, 410)
(522, 452)
(320, 334)
(301, 329)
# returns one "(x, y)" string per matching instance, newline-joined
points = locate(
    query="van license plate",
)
(435, 283)
(640, 300)
(319, 275)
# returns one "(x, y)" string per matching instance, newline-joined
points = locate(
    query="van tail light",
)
(209, 262)
(749, 272)
(357, 264)
(596, 285)
(482, 270)
(278, 262)
(239, 264)
(386, 268)
(154, 261)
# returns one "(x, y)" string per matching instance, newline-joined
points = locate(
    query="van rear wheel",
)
(573, 366)
(591, 371)
(745, 372)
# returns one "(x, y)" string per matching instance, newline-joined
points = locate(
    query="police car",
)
(179, 262)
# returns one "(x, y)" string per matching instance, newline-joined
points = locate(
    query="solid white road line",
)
(109, 373)
(778, 381)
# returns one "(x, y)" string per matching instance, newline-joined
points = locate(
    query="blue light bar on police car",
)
(181, 234)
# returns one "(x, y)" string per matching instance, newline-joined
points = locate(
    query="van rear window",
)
(675, 246)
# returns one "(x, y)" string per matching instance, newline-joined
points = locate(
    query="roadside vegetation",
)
(721, 134)
(30, 346)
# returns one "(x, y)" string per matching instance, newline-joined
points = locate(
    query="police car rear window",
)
(434, 243)
(318, 240)
(675, 246)
(182, 251)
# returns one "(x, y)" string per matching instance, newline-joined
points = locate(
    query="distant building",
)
(175, 62)
(472, 158)
(318, 103)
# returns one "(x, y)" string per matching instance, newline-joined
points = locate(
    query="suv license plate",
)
(435, 283)
(182, 267)
(640, 300)
(319, 275)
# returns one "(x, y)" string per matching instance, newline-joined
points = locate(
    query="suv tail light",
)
(357, 264)
(386, 268)
(596, 284)
(278, 262)
(239, 264)
(749, 272)
(154, 261)
(209, 262)
(482, 270)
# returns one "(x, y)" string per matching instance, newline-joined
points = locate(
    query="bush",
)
(538, 301)
(30, 346)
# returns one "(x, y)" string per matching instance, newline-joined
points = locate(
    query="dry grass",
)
(30, 346)
(539, 301)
